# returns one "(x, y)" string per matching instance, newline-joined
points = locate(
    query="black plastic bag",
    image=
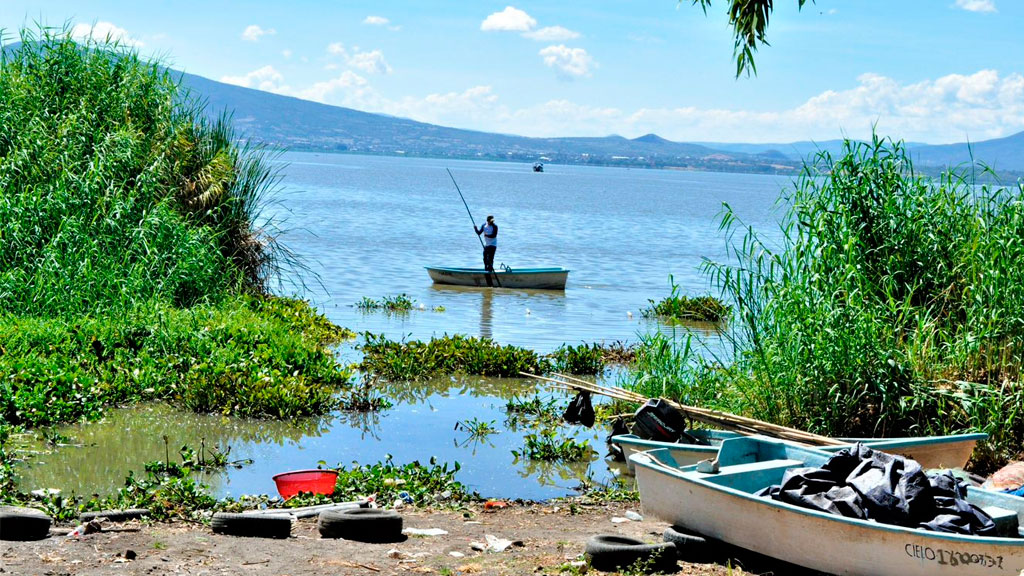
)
(614, 450)
(580, 410)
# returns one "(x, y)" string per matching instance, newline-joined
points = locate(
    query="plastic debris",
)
(424, 532)
(455, 554)
(619, 519)
(495, 505)
(494, 544)
(406, 497)
(89, 527)
(634, 516)
(398, 504)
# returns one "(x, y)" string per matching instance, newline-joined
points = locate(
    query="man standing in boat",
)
(490, 232)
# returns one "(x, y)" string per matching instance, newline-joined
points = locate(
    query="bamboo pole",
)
(723, 420)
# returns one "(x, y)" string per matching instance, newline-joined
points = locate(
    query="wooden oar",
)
(723, 420)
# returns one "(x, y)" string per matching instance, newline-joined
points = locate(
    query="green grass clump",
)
(892, 304)
(548, 446)
(587, 359)
(447, 355)
(428, 485)
(397, 303)
(681, 308)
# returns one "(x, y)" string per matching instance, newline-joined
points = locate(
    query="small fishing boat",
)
(538, 167)
(720, 502)
(537, 278)
(929, 451)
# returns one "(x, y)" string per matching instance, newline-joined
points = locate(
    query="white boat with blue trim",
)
(505, 277)
(720, 502)
(951, 451)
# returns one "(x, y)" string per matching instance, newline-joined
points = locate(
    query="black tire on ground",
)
(690, 547)
(258, 525)
(611, 552)
(361, 524)
(17, 523)
(115, 515)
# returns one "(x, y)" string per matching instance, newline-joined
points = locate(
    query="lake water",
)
(366, 226)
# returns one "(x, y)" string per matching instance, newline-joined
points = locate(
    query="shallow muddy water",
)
(367, 226)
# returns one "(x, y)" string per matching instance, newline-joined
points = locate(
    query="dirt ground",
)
(552, 536)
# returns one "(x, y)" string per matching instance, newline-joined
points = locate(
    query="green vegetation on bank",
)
(892, 305)
(678, 307)
(415, 360)
(134, 260)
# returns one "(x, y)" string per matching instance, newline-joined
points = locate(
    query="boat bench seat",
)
(753, 476)
(1006, 521)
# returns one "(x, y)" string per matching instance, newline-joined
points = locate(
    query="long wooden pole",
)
(724, 420)
(471, 219)
(466, 205)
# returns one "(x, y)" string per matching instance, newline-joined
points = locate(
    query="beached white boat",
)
(723, 506)
(929, 451)
(537, 278)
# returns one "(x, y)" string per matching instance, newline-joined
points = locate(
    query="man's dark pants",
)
(489, 257)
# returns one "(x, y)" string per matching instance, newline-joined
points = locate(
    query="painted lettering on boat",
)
(946, 557)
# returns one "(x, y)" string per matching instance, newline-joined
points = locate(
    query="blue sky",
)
(932, 71)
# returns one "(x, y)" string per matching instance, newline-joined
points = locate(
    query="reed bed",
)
(135, 261)
(893, 304)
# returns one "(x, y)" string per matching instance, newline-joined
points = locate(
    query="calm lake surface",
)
(366, 226)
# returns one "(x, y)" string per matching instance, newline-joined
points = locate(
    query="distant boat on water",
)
(538, 167)
(537, 278)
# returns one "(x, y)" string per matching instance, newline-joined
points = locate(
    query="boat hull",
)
(534, 278)
(726, 509)
(930, 451)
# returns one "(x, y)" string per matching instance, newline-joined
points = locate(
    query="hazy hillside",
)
(303, 125)
(299, 124)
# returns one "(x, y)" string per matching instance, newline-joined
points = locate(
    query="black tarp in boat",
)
(863, 483)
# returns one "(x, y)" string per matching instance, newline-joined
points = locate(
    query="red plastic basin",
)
(316, 481)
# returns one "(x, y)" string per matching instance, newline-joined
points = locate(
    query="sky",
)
(932, 71)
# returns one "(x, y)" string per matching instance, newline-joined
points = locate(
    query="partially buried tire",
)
(254, 525)
(361, 524)
(610, 553)
(17, 523)
(690, 547)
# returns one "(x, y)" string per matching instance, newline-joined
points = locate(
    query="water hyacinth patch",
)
(415, 359)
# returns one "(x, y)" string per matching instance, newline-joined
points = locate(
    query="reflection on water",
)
(419, 426)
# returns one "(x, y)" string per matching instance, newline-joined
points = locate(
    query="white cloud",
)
(568, 62)
(376, 21)
(510, 19)
(976, 5)
(253, 33)
(102, 31)
(345, 90)
(372, 62)
(286, 53)
(266, 78)
(336, 48)
(552, 34)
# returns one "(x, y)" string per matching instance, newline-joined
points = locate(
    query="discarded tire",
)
(610, 553)
(361, 524)
(256, 525)
(690, 547)
(18, 523)
(116, 515)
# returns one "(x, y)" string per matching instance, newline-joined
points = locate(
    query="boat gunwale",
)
(553, 270)
(689, 474)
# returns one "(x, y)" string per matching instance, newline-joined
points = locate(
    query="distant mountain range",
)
(303, 125)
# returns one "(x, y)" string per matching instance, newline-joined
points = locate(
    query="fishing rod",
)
(471, 219)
